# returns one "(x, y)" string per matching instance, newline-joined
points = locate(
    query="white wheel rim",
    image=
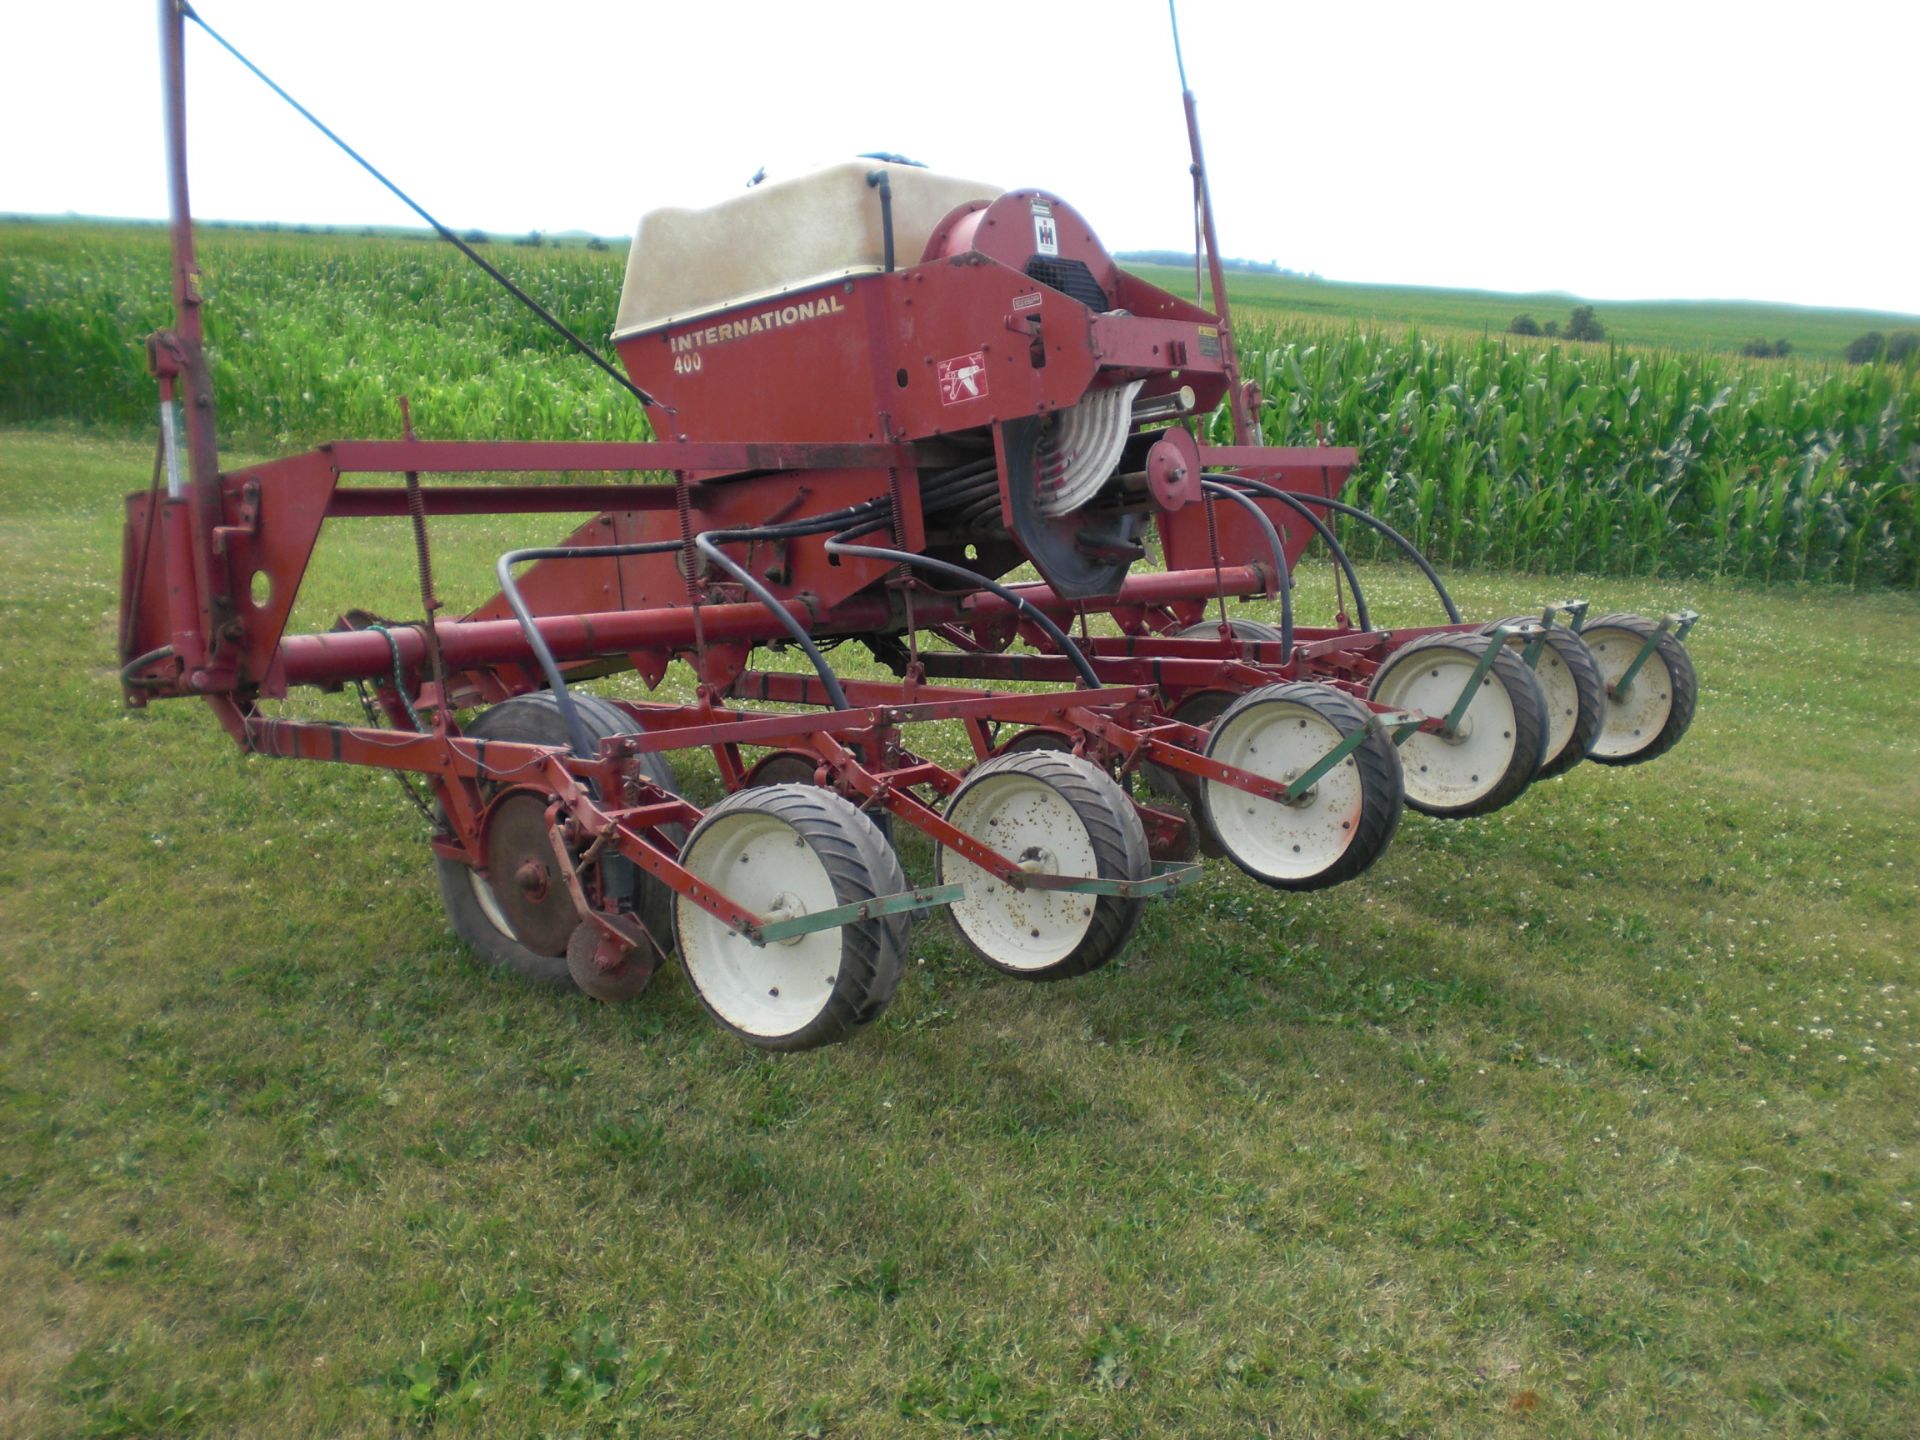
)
(1033, 824)
(1632, 722)
(1443, 773)
(1281, 740)
(1560, 692)
(766, 866)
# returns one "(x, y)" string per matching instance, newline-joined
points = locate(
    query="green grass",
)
(1593, 1117)
(1295, 302)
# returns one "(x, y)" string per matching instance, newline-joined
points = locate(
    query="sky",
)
(1618, 151)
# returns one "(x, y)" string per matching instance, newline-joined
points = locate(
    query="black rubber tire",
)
(1037, 738)
(1242, 628)
(1119, 843)
(1200, 710)
(797, 767)
(781, 767)
(861, 865)
(1529, 720)
(1686, 685)
(1590, 706)
(1376, 763)
(535, 720)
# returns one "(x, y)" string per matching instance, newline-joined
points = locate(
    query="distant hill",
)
(1295, 301)
(1185, 258)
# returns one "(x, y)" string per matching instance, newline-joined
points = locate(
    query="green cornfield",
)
(1595, 460)
(311, 337)
(1487, 451)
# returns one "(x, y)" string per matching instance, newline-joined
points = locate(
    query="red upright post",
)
(1246, 431)
(178, 354)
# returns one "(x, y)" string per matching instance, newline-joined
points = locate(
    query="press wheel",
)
(1501, 739)
(782, 851)
(485, 912)
(1053, 814)
(1649, 719)
(1340, 825)
(1570, 684)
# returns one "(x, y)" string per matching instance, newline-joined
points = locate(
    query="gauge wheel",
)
(1053, 814)
(1343, 822)
(1649, 719)
(782, 851)
(1570, 683)
(1500, 742)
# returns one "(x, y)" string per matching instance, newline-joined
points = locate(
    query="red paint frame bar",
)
(360, 502)
(458, 457)
(474, 644)
(1314, 458)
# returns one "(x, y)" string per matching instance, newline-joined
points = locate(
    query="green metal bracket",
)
(1166, 876)
(924, 898)
(1496, 639)
(1625, 682)
(1534, 632)
(1576, 613)
(1311, 775)
(1676, 625)
(1400, 725)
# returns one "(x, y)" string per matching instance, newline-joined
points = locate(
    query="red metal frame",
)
(800, 406)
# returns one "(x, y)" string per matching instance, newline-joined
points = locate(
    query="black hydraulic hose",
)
(1089, 680)
(958, 492)
(938, 493)
(577, 733)
(130, 672)
(1412, 551)
(1279, 560)
(445, 234)
(1324, 530)
(706, 544)
(878, 179)
(812, 525)
(866, 515)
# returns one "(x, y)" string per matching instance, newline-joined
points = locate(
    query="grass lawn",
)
(1593, 1117)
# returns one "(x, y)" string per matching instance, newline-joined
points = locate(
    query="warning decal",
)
(1046, 238)
(962, 378)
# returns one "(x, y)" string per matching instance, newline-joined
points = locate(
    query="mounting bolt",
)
(531, 877)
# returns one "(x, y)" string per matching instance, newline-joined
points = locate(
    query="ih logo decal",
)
(962, 378)
(1046, 235)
